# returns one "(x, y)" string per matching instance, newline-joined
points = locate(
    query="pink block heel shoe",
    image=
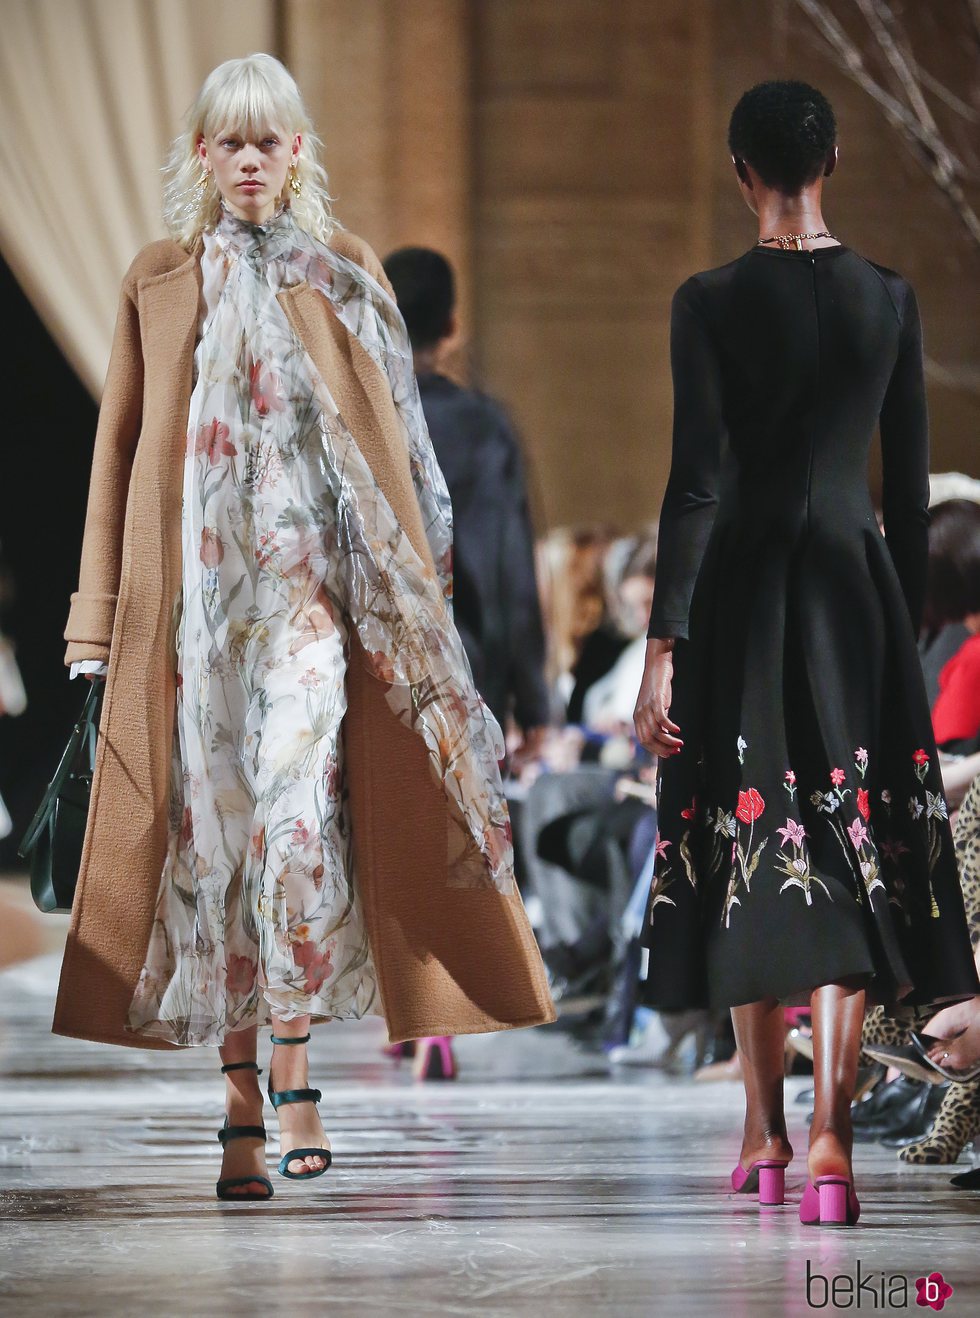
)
(829, 1201)
(767, 1176)
(399, 1050)
(434, 1059)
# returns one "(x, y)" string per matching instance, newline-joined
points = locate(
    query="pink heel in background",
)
(767, 1176)
(829, 1201)
(434, 1059)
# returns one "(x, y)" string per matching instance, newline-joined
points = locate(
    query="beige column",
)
(388, 85)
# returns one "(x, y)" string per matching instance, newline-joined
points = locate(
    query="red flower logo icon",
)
(750, 806)
(932, 1291)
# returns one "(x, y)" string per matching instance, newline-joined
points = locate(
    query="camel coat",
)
(448, 960)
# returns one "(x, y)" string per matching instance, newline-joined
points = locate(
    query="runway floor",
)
(536, 1184)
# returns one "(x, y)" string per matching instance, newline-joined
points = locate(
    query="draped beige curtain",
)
(91, 94)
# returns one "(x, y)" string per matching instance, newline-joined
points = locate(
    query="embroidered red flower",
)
(920, 757)
(837, 776)
(691, 810)
(750, 806)
(863, 804)
(213, 439)
(212, 547)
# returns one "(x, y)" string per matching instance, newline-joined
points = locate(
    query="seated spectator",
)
(954, 597)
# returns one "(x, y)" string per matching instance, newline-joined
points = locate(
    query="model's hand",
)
(654, 729)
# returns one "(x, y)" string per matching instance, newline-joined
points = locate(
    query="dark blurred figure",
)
(496, 604)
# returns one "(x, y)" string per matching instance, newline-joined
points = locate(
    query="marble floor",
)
(537, 1184)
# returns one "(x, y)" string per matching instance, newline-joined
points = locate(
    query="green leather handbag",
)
(53, 842)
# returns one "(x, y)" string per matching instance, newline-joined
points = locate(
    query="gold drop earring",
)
(295, 182)
(201, 186)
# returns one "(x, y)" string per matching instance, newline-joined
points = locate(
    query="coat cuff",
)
(89, 629)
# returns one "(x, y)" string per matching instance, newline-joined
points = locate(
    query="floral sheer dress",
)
(287, 543)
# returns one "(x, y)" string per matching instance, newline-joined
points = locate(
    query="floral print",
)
(289, 546)
(854, 835)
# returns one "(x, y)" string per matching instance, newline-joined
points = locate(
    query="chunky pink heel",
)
(400, 1050)
(829, 1201)
(767, 1176)
(434, 1059)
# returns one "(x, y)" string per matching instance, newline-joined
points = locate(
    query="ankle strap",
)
(241, 1066)
(305, 1038)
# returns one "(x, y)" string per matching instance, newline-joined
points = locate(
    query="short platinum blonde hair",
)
(247, 96)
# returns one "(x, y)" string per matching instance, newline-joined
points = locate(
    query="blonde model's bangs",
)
(247, 104)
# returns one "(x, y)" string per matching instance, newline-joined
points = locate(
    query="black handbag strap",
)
(82, 741)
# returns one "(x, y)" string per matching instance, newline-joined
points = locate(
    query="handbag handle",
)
(84, 734)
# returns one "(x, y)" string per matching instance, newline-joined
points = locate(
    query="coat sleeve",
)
(904, 428)
(699, 437)
(93, 605)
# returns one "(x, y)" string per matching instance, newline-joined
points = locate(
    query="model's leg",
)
(760, 1034)
(837, 1012)
(243, 1105)
(299, 1123)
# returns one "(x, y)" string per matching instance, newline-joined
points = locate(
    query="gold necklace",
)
(789, 241)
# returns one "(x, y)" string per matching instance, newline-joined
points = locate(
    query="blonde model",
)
(297, 814)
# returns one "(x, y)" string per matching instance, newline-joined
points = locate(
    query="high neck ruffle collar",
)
(259, 242)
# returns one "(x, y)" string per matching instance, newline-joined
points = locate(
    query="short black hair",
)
(953, 591)
(785, 131)
(425, 290)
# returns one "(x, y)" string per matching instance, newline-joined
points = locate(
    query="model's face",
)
(250, 172)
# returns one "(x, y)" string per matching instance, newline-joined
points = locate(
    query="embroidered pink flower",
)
(892, 849)
(790, 777)
(240, 974)
(861, 756)
(837, 776)
(213, 439)
(212, 548)
(857, 833)
(266, 390)
(863, 804)
(750, 806)
(793, 832)
(660, 846)
(317, 965)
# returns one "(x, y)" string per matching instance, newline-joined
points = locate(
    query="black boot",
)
(920, 1122)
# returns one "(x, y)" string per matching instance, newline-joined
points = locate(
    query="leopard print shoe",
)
(956, 1124)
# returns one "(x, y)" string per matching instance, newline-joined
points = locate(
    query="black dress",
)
(803, 830)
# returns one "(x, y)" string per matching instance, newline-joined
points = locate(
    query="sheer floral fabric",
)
(287, 543)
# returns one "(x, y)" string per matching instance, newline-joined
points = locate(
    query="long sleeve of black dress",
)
(699, 436)
(904, 431)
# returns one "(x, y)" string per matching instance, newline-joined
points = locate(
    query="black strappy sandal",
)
(227, 1133)
(283, 1096)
